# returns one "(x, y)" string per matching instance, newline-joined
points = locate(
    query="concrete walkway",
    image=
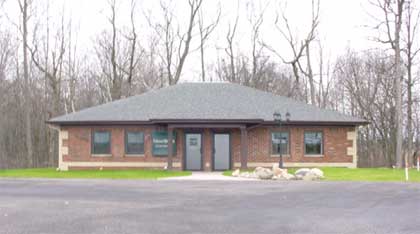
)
(207, 176)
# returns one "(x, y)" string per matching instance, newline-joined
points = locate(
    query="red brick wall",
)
(259, 145)
(79, 144)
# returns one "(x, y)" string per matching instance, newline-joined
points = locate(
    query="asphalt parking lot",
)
(120, 206)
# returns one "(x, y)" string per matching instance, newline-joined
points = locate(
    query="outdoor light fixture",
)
(277, 119)
(287, 116)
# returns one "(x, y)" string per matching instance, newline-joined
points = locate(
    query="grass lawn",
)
(363, 174)
(91, 174)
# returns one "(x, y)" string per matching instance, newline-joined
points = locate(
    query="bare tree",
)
(325, 79)
(133, 41)
(365, 87)
(118, 55)
(24, 11)
(258, 63)
(50, 62)
(176, 44)
(205, 32)
(410, 31)
(299, 49)
(72, 73)
(392, 21)
(227, 70)
(5, 53)
(116, 80)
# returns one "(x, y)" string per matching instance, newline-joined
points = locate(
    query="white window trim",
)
(101, 155)
(134, 155)
(278, 155)
(313, 155)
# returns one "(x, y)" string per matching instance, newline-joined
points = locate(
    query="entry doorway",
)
(221, 152)
(193, 152)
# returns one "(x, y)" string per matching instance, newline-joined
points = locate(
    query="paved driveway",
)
(106, 206)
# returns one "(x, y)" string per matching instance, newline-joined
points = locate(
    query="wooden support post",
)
(170, 147)
(244, 148)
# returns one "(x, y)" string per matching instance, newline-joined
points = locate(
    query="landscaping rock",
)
(258, 169)
(279, 172)
(236, 173)
(309, 174)
(253, 175)
(302, 172)
(317, 172)
(264, 173)
(289, 176)
(310, 177)
(298, 176)
(244, 174)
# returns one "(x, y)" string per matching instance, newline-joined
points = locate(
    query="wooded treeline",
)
(44, 72)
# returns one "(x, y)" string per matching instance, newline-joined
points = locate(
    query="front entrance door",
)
(221, 154)
(193, 152)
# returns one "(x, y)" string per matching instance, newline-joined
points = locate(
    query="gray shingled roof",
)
(204, 101)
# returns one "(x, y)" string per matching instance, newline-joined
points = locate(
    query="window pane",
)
(280, 142)
(313, 142)
(134, 143)
(101, 142)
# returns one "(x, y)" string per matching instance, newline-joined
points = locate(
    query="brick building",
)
(206, 126)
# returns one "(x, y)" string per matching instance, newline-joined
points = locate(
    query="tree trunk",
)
(310, 76)
(398, 89)
(27, 108)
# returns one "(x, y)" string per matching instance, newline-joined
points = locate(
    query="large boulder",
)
(253, 175)
(279, 172)
(309, 177)
(263, 173)
(309, 174)
(317, 172)
(259, 169)
(236, 173)
(302, 172)
(284, 176)
(289, 176)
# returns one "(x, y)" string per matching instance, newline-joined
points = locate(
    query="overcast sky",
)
(343, 23)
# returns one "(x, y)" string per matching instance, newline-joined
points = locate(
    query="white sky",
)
(342, 23)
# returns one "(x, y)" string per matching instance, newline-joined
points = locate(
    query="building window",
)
(101, 142)
(313, 143)
(134, 142)
(280, 143)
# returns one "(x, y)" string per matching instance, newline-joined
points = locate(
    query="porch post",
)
(170, 147)
(244, 147)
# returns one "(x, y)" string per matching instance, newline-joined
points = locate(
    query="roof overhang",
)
(317, 123)
(203, 122)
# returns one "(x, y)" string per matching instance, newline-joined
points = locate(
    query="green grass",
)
(362, 174)
(91, 174)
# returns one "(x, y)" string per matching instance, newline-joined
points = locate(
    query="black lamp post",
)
(277, 118)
